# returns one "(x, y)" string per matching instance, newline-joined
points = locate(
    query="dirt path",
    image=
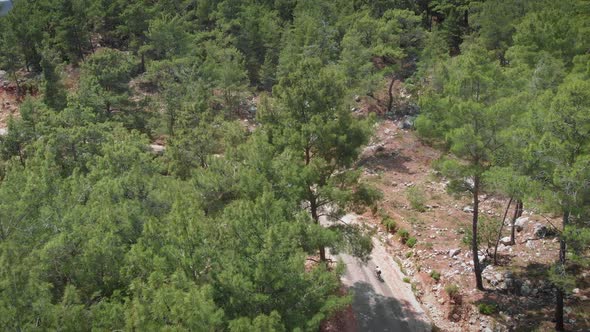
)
(387, 305)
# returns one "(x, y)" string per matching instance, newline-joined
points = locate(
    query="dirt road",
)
(387, 305)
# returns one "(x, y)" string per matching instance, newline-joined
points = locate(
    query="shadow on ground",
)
(386, 161)
(375, 312)
(533, 312)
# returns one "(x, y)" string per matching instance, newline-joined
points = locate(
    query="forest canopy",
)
(249, 103)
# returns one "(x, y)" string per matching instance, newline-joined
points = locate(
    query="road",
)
(387, 305)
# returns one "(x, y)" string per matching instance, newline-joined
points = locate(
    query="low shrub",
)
(411, 242)
(486, 309)
(406, 280)
(408, 254)
(404, 235)
(435, 275)
(452, 290)
(389, 224)
(416, 198)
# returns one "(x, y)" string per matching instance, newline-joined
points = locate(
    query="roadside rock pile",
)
(507, 282)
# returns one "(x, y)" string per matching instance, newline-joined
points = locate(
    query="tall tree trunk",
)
(517, 214)
(474, 246)
(390, 91)
(559, 293)
(18, 88)
(315, 216)
(500, 232)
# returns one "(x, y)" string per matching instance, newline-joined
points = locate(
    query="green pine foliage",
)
(222, 229)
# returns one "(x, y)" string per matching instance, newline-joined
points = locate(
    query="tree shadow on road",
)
(375, 312)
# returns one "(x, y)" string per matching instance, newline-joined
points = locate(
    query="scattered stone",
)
(454, 252)
(468, 209)
(530, 244)
(387, 131)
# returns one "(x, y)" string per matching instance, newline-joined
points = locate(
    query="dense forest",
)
(249, 105)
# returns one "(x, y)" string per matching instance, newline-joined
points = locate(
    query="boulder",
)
(406, 123)
(157, 149)
(520, 223)
(481, 258)
(505, 240)
(540, 230)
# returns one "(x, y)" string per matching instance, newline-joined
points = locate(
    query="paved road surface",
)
(387, 305)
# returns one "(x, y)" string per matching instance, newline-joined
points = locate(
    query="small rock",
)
(357, 98)
(468, 209)
(387, 131)
(576, 291)
(530, 244)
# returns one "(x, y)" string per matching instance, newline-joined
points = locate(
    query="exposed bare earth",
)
(396, 161)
